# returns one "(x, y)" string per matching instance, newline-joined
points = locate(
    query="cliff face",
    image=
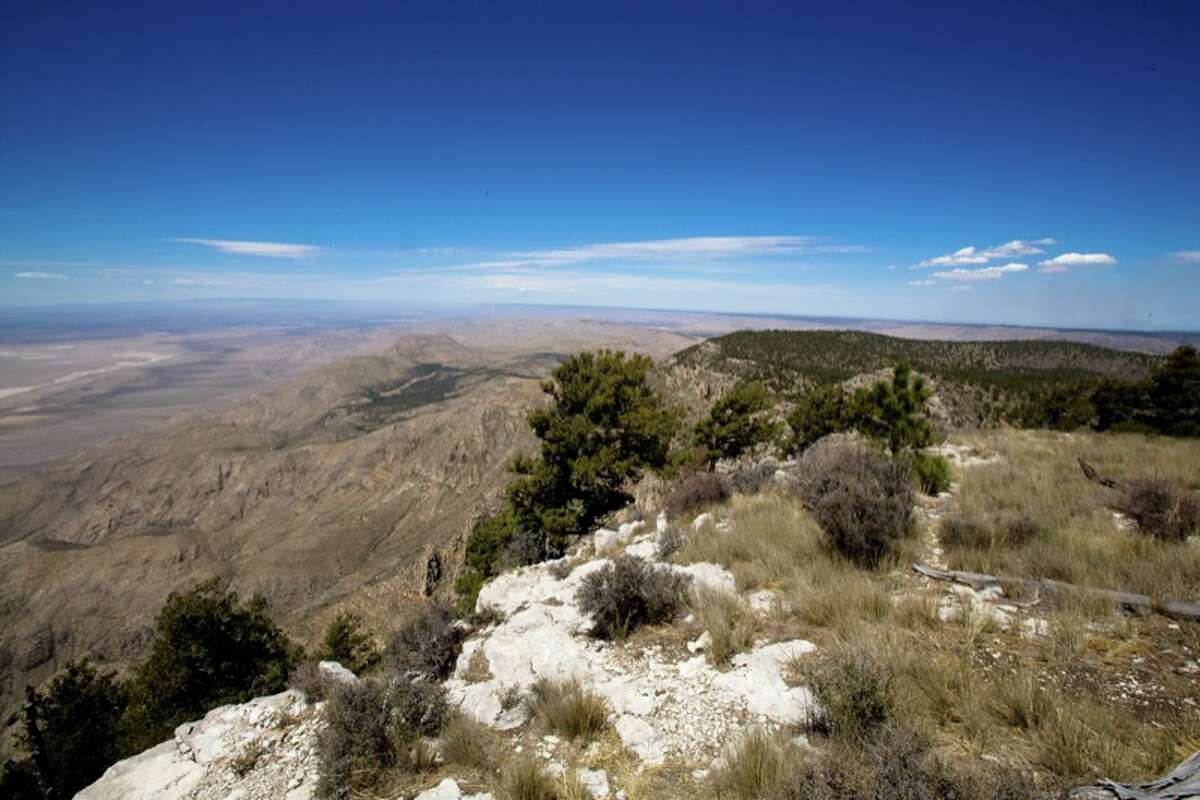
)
(338, 488)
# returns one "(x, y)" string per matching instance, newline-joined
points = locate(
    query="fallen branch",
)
(1139, 603)
(1090, 473)
(1181, 782)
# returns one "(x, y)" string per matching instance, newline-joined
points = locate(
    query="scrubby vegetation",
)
(375, 726)
(861, 499)
(604, 427)
(696, 490)
(346, 643)
(210, 648)
(427, 645)
(1161, 509)
(739, 421)
(630, 592)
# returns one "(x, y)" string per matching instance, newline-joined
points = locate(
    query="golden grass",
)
(729, 622)
(1080, 542)
(755, 766)
(466, 742)
(566, 707)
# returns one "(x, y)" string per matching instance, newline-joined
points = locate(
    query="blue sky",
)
(785, 158)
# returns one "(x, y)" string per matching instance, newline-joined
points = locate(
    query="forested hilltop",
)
(1025, 383)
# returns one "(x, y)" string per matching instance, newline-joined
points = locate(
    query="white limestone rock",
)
(196, 763)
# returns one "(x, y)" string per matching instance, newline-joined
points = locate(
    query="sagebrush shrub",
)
(696, 491)
(752, 479)
(375, 725)
(428, 644)
(1162, 510)
(630, 592)
(861, 499)
(312, 681)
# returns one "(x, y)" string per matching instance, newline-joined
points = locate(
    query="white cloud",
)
(1045, 242)
(965, 255)
(266, 249)
(41, 276)
(982, 274)
(1189, 256)
(962, 287)
(1066, 260)
(922, 283)
(973, 255)
(691, 248)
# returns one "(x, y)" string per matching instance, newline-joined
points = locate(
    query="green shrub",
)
(820, 412)
(346, 643)
(853, 691)
(893, 412)
(738, 422)
(695, 491)
(209, 649)
(427, 645)
(929, 473)
(71, 727)
(630, 592)
(861, 499)
(373, 726)
(1162, 510)
(567, 708)
(605, 427)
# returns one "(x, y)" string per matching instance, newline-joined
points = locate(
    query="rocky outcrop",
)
(261, 750)
(665, 704)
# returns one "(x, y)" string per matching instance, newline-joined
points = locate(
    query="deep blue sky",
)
(587, 154)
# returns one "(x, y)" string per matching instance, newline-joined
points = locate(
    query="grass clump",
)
(567, 708)
(697, 490)
(466, 742)
(526, 780)
(756, 766)
(427, 645)
(312, 682)
(630, 592)
(374, 727)
(853, 690)
(1162, 510)
(860, 498)
(729, 622)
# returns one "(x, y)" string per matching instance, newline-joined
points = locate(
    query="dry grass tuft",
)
(728, 620)
(566, 707)
(756, 766)
(466, 742)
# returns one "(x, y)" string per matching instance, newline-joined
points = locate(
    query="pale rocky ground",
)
(669, 705)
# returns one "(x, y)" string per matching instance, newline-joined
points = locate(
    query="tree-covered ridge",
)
(834, 356)
(1027, 383)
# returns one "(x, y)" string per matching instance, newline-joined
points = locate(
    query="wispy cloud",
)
(698, 248)
(41, 276)
(1187, 256)
(922, 283)
(982, 274)
(1067, 260)
(244, 248)
(973, 255)
(962, 287)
